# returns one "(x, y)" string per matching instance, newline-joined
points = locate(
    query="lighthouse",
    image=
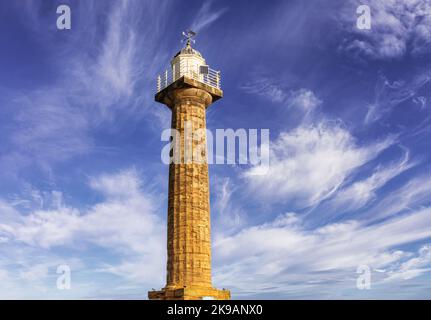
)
(188, 88)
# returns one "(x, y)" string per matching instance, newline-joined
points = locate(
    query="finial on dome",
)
(189, 35)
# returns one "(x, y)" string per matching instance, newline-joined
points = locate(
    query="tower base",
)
(189, 293)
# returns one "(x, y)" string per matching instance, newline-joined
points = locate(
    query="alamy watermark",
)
(64, 280)
(64, 20)
(363, 282)
(363, 21)
(241, 146)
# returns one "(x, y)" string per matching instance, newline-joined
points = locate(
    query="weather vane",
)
(188, 36)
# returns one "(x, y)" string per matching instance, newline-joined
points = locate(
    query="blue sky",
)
(82, 182)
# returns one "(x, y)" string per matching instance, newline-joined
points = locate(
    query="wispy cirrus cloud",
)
(311, 162)
(61, 224)
(300, 101)
(413, 267)
(284, 257)
(101, 77)
(104, 71)
(206, 16)
(227, 213)
(124, 223)
(414, 194)
(389, 95)
(267, 88)
(362, 192)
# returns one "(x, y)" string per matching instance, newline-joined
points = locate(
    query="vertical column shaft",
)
(189, 240)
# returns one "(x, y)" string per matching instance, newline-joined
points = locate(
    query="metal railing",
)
(205, 75)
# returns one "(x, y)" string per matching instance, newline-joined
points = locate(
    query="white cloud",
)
(34, 273)
(140, 270)
(3, 275)
(410, 196)
(421, 101)
(267, 88)
(397, 27)
(224, 211)
(206, 16)
(109, 80)
(301, 99)
(391, 94)
(284, 256)
(362, 192)
(310, 163)
(97, 70)
(125, 208)
(30, 273)
(125, 184)
(304, 99)
(124, 223)
(117, 61)
(413, 267)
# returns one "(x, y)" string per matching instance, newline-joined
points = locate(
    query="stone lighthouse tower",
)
(188, 88)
